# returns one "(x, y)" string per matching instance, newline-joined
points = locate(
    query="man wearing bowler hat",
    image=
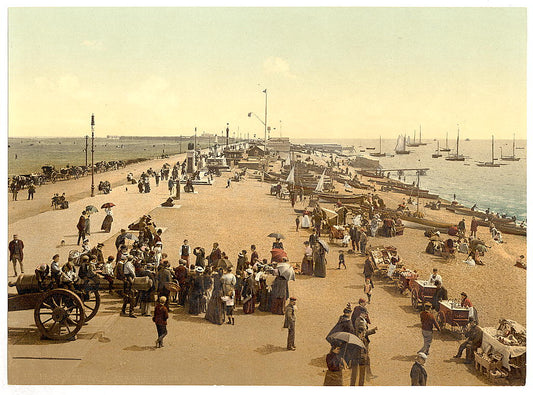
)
(290, 323)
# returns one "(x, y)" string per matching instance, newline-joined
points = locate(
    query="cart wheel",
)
(59, 314)
(91, 303)
(414, 300)
(441, 319)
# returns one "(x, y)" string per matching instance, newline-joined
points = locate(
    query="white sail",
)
(288, 159)
(399, 142)
(320, 185)
(408, 139)
(290, 178)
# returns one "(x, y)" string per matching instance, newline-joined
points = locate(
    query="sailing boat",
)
(446, 149)
(513, 157)
(320, 185)
(414, 143)
(456, 157)
(400, 146)
(491, 163)
(437, 154)
(380, 154)
(290, 178)
(420, 137)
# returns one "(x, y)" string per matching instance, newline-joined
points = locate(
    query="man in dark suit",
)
(81, 227)
(290, 323)
(16, 253)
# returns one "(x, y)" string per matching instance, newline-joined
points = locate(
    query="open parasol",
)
(286, 271)
(131, 236)
(223, 263)
(108, 205)
(91, 209)
(324, 244)
(276, 235)
(345, 337)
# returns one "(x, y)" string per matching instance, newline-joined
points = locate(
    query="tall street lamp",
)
(266, 120)
(92, 155)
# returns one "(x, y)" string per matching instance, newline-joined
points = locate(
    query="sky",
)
(329, 72)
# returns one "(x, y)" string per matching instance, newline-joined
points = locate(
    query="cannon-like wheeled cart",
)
(59, 313)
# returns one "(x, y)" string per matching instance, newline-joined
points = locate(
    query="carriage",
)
(59, 313)
(421, 293)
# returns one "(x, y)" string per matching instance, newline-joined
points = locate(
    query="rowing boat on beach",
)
(427, 222)
(345, 199)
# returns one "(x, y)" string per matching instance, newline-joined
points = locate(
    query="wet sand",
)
(120, 350)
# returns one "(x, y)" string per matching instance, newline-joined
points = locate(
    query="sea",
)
(500, 189)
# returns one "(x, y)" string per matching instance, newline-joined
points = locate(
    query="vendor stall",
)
(381, 258)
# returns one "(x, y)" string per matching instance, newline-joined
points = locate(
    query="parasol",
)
(91, 209)
(286, 271)
(324, 244)
(345, 337)
(223, 263)
(276, 235)
(108, 205)
(131, 236)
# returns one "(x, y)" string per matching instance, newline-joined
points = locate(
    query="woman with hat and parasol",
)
(108, 220)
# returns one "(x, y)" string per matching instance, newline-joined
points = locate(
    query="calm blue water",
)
(502, 189)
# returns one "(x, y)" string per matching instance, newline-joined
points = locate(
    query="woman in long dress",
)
(307, 260)
(108, 220)
(306, 223)
(249, 293)
(279, 295)
(215, 307)
(264, 295)
(319, 259)
(197, 292)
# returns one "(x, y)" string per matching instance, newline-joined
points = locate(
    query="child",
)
(230, 302)
(341, 260)
(368, 289)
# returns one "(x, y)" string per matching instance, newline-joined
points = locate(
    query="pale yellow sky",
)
(329, 72)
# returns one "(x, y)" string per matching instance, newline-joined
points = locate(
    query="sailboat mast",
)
(492, 151)
(420, 135)
(446, 140)
(513, 144)
(457, 140)
(380, 144)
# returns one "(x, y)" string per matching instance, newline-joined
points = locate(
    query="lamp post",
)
(92, 155)
(86, 149)
(266, 112)
(195, 139)
(227, 135)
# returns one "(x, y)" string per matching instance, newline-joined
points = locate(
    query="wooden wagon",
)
(421, 293)
(453, 314)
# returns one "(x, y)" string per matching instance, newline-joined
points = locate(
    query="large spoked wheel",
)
(414, 299)
(441, 319)
(91, 303)
(59, 314)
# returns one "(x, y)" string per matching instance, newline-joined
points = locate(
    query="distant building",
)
(233, 156)
(324, 147)
(279, 144)
(255, 152)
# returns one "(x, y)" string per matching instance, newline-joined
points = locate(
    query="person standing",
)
(367, 289)
(418, 373)
(88, 224)
(81, 227)
(473, 227)
(368, 269)
(16, 253)
(290, 323)
(435, 277)
(129, 292)
(170, 186)
(55, 270)
(160, 319)
(461, 227)
(307, 260)
(108, 220)
(297, 223)
(428, 322)
(249, 292)
(31, 191)
(341, 260)
(363, 239)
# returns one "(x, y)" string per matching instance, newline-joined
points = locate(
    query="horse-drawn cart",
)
(421, 293)
(58, 313)
(453, 314)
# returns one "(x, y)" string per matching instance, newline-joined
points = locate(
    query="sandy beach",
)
(113, 350)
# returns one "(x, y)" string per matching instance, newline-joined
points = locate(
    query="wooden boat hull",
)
(427, 222)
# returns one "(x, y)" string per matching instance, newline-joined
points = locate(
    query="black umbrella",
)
(276, 235)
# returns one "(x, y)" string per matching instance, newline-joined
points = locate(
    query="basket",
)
(172, 287)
